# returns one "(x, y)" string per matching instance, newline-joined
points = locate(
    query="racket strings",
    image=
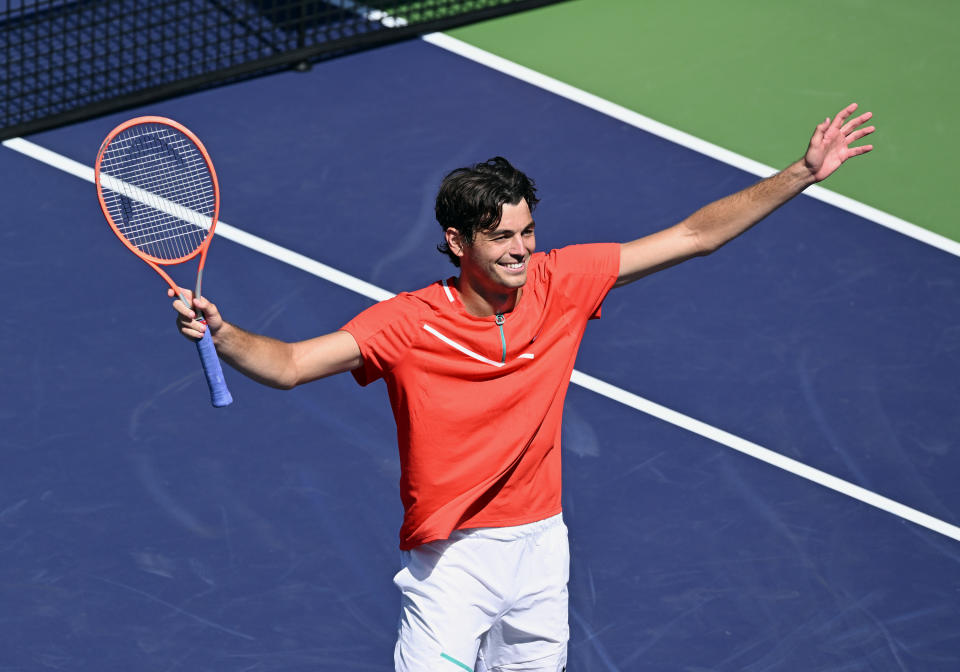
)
(158, 190)
(159, 224)
(158, 217)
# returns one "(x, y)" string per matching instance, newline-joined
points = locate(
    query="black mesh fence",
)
(66, 61)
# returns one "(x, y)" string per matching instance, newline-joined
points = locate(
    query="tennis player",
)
(477, 367)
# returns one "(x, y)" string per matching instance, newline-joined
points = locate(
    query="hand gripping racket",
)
(158, 190)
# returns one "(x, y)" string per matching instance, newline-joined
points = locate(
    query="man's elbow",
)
(700, 244)
(285, 384)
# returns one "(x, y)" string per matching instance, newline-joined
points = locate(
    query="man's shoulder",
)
(397, 308)
(410, 305)
(576, 258)
(431, 294)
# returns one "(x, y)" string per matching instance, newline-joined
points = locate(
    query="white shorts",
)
(486, 599)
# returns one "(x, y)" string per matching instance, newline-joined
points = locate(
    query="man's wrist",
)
(222, 334)
(799, 174)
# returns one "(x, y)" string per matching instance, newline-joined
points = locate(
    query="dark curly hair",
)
(471, 199)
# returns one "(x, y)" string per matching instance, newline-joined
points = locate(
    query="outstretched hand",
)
(830, 145)
(189, 320)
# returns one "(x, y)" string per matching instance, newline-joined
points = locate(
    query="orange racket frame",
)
(220, 395)
(156, 262)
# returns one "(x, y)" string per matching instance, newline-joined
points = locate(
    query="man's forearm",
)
(721, 221)
(714, 225)
(264, 359)
(286, 365)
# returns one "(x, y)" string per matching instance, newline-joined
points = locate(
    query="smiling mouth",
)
(514, 266)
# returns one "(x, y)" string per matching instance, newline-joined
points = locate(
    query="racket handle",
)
(219, 394)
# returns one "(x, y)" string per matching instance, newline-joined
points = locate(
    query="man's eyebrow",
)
(496, 233)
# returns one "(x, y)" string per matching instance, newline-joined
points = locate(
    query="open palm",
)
(830, 145)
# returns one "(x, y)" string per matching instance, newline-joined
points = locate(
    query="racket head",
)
(158, 189)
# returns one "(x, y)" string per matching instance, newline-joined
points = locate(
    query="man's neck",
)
(481, 302)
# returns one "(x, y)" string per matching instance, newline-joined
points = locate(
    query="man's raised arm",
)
(710, 227)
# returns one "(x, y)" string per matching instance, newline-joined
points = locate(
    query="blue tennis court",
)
(141, 529)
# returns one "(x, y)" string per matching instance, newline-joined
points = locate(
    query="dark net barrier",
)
(65, 61)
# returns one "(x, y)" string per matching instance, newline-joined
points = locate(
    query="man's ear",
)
(454, 241)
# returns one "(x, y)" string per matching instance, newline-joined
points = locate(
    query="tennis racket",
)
(159, 192)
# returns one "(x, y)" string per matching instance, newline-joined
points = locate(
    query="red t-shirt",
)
(478, 405)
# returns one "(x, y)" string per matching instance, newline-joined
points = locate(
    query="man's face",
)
(498, 259)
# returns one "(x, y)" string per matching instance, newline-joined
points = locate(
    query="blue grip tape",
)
(219, 394)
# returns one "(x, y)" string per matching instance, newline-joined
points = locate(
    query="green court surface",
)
(755, 77)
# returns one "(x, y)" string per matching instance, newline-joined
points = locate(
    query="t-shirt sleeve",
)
(384, 332)
(586, 273)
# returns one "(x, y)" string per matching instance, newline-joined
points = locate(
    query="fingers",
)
(844, 114)
(852, 132)
(831, 144)
(187, 319)
(182, 300)
(862, 132)
(208, 312)
(820, 130)
(849, 130)
(188, 325)
(193, 329)
(854, 123)
(202, 304)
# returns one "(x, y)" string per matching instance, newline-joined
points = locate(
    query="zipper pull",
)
(500, 319)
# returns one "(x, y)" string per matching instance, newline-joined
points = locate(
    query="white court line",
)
(588, 382)
(632, 118)
(224, 230)
(764, 454)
